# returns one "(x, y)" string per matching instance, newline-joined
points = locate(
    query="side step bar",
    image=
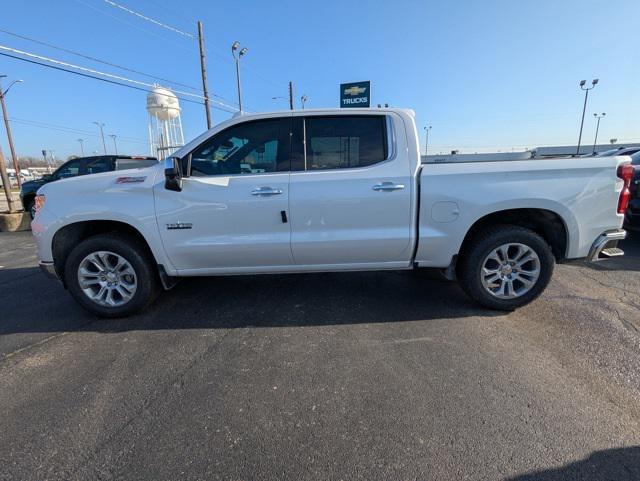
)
(606, 245)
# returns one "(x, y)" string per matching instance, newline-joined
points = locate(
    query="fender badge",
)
(179, 225)
(130, 180)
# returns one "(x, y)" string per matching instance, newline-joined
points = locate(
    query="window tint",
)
(71, 169)
(96, 166)
(345, 142)
(124, 164)
(249, 148)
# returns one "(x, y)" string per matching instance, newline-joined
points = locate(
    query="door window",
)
(248, 148)
(96, 166)
(70, 169)
(345, 141)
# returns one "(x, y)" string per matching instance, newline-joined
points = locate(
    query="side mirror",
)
(173, 174)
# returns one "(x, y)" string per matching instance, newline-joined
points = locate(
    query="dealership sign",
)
(355, 94)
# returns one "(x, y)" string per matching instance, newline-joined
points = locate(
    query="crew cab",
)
(326, 190)
(81, 166)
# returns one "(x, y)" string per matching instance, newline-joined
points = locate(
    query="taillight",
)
(625, 172)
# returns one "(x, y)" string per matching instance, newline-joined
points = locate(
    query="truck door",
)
(351, 191)
(231, 214)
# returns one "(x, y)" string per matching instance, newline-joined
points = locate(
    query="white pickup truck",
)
(326, 190)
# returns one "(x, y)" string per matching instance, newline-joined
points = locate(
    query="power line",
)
(148, 32)
(71, 130)
(149, 19)
(94, 59)
(102, 79)
(92, 74)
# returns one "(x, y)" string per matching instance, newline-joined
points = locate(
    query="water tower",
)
(165, 124)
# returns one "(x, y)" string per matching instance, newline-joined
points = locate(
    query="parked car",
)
(326, 190)
(632, 216)
(81, 166)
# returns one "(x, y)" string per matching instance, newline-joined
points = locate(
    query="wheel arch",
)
(70, 235)
(548, 224)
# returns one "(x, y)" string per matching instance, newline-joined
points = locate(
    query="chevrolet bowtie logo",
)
(355, 90)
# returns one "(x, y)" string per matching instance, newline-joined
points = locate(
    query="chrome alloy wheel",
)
(510, 270)
(107, 278)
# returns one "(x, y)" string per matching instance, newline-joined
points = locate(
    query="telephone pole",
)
(5, 115)
(203, 70)
(291, 95)
(5, 183)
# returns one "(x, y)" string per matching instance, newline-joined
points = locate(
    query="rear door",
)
(350, 192)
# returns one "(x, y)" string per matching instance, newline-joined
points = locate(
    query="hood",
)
(32, 185)
(104, 181)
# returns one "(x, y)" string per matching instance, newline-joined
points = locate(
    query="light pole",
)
(238, 55)
(104, 145)
(81, 147)
(5, 114)
(115, 146)
(595, 141)
(303, 100)
(594, 82)
(426, 140)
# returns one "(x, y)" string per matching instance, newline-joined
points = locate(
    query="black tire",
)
(31, 208)
(470, 265)
(132, 251)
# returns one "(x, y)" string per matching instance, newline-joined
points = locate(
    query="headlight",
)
(39, 202)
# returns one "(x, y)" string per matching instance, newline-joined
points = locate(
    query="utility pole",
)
(5, 183)
(595, 140)
(5, 115)
(104, 145)
(115, 146)
(203, 70)
(594, 82)
(81, 147)
(290, 95)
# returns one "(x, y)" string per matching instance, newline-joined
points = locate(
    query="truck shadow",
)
(37, 304)
(621, 464)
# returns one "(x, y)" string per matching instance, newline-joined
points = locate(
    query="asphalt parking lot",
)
(325, 377)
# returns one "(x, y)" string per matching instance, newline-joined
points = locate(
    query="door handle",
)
(266, 191)
(388, 186)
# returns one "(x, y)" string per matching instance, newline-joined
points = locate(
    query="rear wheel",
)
(506, 267)
(111, 275)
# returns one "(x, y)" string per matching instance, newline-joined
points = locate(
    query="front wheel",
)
(506, 267)
(111, 275)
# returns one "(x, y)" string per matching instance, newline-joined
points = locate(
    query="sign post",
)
(355, 94)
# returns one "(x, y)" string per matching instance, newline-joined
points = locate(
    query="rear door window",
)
(96, 166)
(344, 142)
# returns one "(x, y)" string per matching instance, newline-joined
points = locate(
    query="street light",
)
(104, 145)
(237, 56)
(426, 140)
(115, 146)
(594, 82)
(595, 141)
(5, 115)
(303, 100)
(81, 146)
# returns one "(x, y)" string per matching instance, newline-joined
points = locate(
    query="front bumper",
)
(606, 245)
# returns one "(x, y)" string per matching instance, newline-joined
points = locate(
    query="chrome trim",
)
(48, 269)
(601, 242)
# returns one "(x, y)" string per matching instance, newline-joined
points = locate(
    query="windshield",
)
(635, 158)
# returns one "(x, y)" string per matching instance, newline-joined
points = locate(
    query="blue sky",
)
(487, 75)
